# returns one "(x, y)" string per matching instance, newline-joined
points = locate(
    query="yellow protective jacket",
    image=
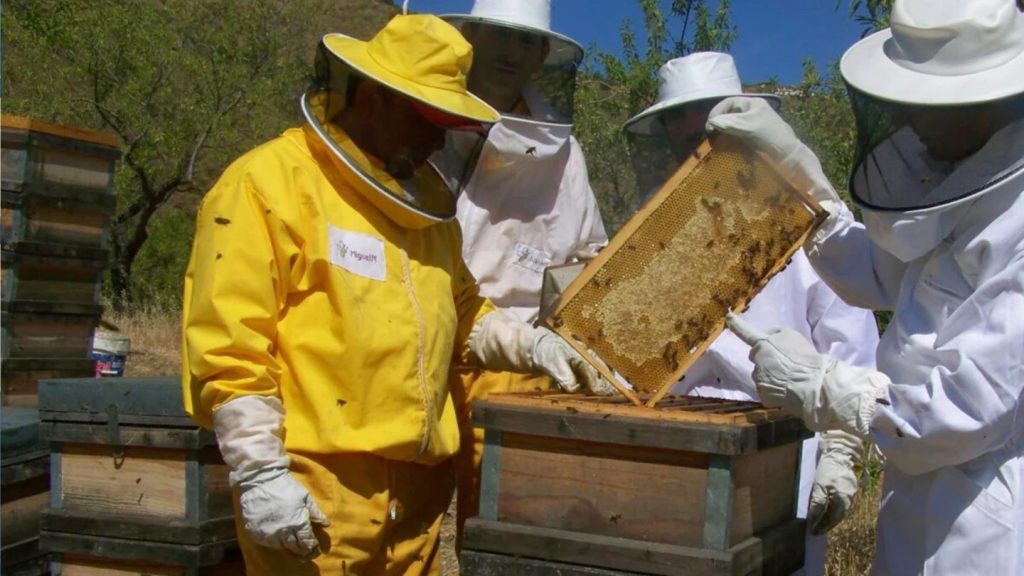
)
(300, 287)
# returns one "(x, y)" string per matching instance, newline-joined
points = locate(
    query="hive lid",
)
(708, 241)
(130, 400)
(15, 124)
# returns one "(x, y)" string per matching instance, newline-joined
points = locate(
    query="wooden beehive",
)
(135, 482)
(21, 375)
(40, 272)
(578, 485)
(57, 185)
(25, 491)
(652, 301)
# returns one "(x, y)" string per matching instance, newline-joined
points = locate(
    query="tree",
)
(611, 89)
(186, 85)
(872, 14)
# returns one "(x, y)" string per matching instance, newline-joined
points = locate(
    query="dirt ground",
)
(449, 560)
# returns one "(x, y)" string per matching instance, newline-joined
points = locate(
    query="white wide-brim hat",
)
(528, 15)
(698, 76)
(942, 52)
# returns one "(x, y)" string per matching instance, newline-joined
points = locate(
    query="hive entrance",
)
(708, 241)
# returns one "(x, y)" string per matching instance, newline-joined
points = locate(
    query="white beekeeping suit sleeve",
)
(576, 182)
(843, 331)
(970, 402)
(860, 272)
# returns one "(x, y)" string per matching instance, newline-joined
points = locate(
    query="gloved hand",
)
(503, 344)
(835, 480)
(756, 123)
(825, 393)
(277, 511)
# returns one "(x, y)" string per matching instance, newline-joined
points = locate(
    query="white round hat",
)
(529, 15)
(697, 76)
(942, 52)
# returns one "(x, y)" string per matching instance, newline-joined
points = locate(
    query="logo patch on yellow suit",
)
(360, 254)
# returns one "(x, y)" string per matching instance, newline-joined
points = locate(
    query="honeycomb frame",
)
(707, 242)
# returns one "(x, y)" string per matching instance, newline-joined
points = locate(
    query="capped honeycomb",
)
(652, 301)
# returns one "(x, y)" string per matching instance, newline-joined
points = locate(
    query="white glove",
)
(835, 480)
(825, 393)
(277, 511)
(503, 344)
(756, 123)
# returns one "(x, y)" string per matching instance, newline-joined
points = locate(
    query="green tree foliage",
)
(872, 14)
(819, 112)
(186, 85)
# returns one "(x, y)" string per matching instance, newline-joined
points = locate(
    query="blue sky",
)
(774, 36)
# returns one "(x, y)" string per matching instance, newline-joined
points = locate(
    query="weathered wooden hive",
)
(136, 486)
(57, 185)
(25, 491)
(577, 485)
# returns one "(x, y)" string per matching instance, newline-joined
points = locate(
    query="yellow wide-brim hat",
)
(419, 56)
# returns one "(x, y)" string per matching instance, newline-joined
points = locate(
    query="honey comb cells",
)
(708, 241)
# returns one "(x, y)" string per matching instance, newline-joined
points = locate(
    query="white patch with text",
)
(531, 258)
(360, 254)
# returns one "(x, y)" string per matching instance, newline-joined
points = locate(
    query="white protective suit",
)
(953, 432)
(798, 299)
(527, 205)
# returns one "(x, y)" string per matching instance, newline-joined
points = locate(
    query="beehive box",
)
(20, 376)
(577, 485)
(39, 272)
(47, 329)
(133, 480)
(652, 301)
(24, 493)
(57, 183)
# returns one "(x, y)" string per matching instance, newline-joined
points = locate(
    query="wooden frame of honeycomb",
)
(708, 241)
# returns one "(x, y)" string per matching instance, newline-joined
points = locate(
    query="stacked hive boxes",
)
(57, 201)
(136, 486)
(25, 491)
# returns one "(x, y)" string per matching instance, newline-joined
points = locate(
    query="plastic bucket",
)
(110, 350)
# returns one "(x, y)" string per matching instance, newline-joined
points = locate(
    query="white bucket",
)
(110, 350)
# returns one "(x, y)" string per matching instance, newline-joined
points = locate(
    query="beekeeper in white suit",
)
(527, 203)
(939, 102)
(661, 138)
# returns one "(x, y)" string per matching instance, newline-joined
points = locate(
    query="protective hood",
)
(413, 203)
(900, 168)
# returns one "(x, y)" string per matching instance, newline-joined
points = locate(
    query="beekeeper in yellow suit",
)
(326, 301)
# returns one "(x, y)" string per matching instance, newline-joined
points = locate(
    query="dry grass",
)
(156, 346)
(156, 341)
(851, 544)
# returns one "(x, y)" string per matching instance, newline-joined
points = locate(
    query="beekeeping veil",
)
(417, 57)
(663, 135)
(939, 102)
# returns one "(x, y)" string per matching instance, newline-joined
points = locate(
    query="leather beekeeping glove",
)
(835, 480)
(500, 343)
(756, 123)
(825, 393)
(277, 511)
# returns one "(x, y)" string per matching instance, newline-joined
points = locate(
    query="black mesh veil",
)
(906, 153)
(426, 193)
